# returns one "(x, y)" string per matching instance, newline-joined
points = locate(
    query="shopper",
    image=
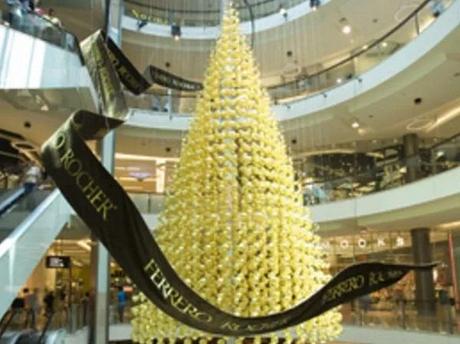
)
(17, 308)
(38, 9)
(48, 300)
(91, 311)
(85, 307)
(121, 303)
(32, 177)
(365, 302)
(31, 304)
(437, 7)
(52, 18)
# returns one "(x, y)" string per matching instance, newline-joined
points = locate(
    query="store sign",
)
(57, 262)
(363, 243)
(114, 219)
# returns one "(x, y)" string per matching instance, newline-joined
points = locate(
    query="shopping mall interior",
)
(266, 145)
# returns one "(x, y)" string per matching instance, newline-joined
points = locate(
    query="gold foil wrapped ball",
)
(234, 226)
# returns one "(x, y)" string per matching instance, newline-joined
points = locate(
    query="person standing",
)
(38, 9)
(121, 296)
(437, 7)
(85, 307)
(17, 308)
(32, 177)
(49, 303)
(31, 303)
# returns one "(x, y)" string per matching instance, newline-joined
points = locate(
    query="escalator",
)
(27, 228)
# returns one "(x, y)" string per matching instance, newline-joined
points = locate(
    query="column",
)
(223, 5)
(454, 254)
(100, 259)
(425, 300)
(412, 157)
(421, 246)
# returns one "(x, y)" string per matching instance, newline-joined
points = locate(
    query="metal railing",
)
(441, 157)
(436, 159)
(21, 19)
(402, 315)
(203, 17)
(319, 78)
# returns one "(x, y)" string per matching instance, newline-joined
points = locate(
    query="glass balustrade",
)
(327, 75)
(204, 17)
(401, 314)
(44, 27)
(323, 183)
(352, 175)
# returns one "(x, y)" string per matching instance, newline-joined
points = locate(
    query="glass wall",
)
(394, 307)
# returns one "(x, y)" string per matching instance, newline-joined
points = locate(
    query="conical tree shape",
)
(234, 226)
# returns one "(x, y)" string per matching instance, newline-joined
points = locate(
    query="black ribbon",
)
(166, 79)
(111, 215)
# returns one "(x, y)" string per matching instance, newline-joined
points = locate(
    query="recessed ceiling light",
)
(384, 44)
(339, 80)
(355, 124)
(346, 29)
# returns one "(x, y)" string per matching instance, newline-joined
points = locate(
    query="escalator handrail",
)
(20, 230)
(12, 198)
(4, 324)
(46, 327)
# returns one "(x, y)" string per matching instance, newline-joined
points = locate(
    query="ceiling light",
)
(283, 11)
(127, 179)
(84, 245)
(384, 44)
(339, 80)
(445, 117)
(123, 156)
(346, 29)
(439, 153)
(365, 47)
(355, 124)
(140, 175)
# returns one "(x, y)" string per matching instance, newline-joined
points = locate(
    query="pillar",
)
(425, 301)
(421, 246)
(412, 157)
(100, 259)
(454, 255)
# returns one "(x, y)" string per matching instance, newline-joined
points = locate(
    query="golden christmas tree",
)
(234, 226)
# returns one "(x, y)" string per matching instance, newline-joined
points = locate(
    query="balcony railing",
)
(319, 78)
(385, 174)
(203, 17)
(21, 19)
